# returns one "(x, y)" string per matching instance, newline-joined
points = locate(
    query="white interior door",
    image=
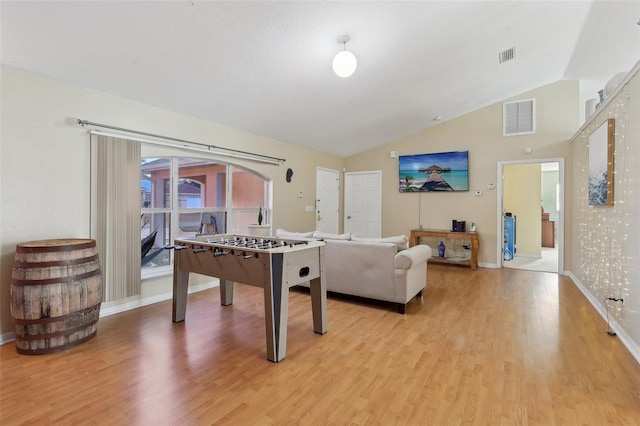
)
(327, 200)
(363, 203)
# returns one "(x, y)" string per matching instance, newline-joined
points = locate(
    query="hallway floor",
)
(547, 263)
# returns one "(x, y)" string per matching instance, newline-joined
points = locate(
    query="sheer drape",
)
(115, 217)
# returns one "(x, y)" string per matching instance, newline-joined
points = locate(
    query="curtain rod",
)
(195, 146)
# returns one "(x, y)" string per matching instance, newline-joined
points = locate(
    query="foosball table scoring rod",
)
(234, 243)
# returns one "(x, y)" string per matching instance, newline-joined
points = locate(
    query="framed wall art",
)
(601, 149)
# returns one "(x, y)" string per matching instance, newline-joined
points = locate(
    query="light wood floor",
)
(490, 347)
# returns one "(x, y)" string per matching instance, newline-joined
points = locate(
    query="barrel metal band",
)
(66, 332)
(54, 349)
(45, 248)
(56, 280)
(49, 320)
(70, 262)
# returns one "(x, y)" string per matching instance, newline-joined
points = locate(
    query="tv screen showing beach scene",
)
(443, 171)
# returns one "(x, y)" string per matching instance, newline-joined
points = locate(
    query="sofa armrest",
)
(415, 255)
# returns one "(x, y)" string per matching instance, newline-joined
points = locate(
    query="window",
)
(184, 197)
(248, 194)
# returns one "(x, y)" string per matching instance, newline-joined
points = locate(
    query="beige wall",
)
(479, 132)
(44, 164)
(521, 196)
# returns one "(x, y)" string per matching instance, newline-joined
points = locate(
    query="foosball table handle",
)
(175, 247)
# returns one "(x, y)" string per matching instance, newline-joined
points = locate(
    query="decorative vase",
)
(260, 216)
(441, 250)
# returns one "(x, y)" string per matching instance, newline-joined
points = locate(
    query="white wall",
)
(44, 166)
(605, 262)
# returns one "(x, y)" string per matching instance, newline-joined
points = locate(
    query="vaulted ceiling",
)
(265, 67)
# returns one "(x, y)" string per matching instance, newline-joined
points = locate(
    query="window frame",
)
(174, 210)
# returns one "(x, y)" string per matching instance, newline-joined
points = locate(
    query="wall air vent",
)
(519, 117)
(507, 55)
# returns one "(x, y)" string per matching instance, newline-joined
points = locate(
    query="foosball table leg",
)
(226, 292)
(180, 287)
(270, 324)
(318, 290)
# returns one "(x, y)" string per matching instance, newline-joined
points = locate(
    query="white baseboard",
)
(104, 312)
(7, 337)
(626, 340)
(489, 265)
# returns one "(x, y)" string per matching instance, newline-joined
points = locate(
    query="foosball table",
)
(274, 264)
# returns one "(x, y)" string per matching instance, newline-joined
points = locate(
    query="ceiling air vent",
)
(507, 55)
(519, 117)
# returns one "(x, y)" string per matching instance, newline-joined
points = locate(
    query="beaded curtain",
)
(607, 237)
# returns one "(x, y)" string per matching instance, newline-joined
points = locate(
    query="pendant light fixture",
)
(344, 63)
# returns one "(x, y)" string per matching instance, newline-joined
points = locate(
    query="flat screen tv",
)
(439, 172)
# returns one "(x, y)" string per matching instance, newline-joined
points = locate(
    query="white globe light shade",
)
(344, 63)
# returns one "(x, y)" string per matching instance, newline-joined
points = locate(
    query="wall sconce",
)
(345, 62)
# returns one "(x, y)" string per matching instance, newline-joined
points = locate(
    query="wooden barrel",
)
(56, 292)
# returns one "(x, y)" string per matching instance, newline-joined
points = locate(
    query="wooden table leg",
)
(475, 247)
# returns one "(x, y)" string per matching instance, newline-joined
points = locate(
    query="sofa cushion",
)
(326, 236)
(283, 233)
(401, 241)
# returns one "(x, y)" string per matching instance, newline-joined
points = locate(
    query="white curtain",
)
(115, 213)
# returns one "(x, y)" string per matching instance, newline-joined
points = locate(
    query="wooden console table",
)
(441, 234)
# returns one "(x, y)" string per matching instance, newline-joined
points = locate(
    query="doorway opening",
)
(531, 214)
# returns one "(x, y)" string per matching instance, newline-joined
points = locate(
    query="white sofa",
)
(375, 268)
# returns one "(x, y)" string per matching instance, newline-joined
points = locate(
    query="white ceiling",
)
(265, 67)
